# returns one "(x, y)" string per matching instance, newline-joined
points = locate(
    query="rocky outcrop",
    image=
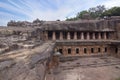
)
(82, 25)
(26, 64)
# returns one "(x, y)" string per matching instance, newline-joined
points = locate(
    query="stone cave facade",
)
(84, 38)
(71, 38)
(37, 45)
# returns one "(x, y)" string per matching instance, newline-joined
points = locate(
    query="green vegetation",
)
(118, 78)
(96, 12)
(115, 11)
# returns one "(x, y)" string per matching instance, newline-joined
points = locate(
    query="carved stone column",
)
(75, 35)
(93, 36)
(68, 35)
(46, 35)
(54, 36)
(73, 51)
(105, 37)
(99, 35)
(88, 35)
(61, 36)
(82, 35)
(118, 52)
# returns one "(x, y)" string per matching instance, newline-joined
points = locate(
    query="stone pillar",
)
(82, 35)
(88, 50)
(61, 36)
(82, 51)
(54, 36)
(46, 35)
(72, 51)
(93, 36)
(66, 51)
(118, 53)
(102, 50)
(99, 35)
(88, 35)
(105, 37)
(75, 35)
(68, 35)
(63, 51)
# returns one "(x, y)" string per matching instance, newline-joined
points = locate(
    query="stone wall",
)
(118, 31)
(83, 48)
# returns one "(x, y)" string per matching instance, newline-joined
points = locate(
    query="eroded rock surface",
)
(25, 64)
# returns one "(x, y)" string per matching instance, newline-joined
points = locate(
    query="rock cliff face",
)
(25, 64)
(83, 25)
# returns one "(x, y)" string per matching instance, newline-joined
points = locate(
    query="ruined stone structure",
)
(70, 38)
(73, 38)
(87, 37)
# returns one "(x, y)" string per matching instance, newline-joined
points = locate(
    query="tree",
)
(81, 14)
(114, 11)
(93, 13)
(97, 11)
(37, 21)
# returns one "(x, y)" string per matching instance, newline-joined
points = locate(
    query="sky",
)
(49, 10)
